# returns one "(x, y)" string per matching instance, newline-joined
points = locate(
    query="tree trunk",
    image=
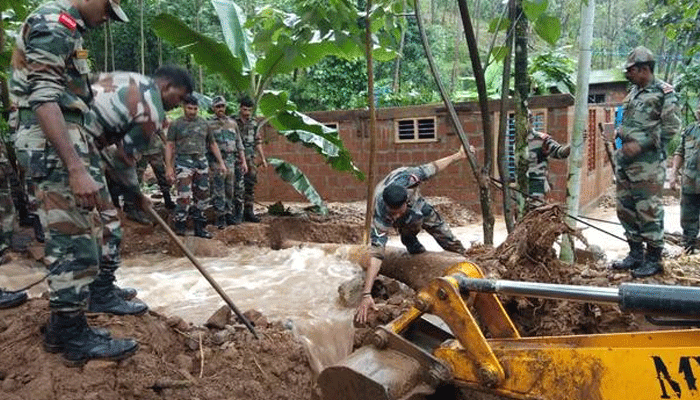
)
(482, 177)
(414, 270)
(522, 93)
(142, 70)
(503, 124)
(396, 84)
(369, 213)
(573, 183)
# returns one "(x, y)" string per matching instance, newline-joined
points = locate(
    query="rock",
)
(219, 319)
(256, 318)
(178, 323)
(350, 292)
(220, 337)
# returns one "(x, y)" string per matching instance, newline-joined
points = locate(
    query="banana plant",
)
(273, 42)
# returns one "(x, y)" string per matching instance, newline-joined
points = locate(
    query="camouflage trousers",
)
(157, 163)
(192, 173)
(249, 181)
(411, 224)
(223, 185)
(82, 244)
(536, 191)
(7, 207)
(639, 206)
(690, 217)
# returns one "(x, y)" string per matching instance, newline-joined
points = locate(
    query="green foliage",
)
(292, 175)
(552, 68)
(283, 42)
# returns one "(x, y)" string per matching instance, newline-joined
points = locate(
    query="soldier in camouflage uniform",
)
(7, 220)
(399, 204)
(188, 140)
(154, 155)
(129, 109)
(649, 122)
(252, 143)
(688, 155)
(50, 84)
(540, 147)
(222, 185)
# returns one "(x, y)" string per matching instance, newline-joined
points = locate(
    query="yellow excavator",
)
(415, 354)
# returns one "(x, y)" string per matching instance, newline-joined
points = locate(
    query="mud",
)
(180, 361)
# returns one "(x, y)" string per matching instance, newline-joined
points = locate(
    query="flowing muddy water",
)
(297, 286)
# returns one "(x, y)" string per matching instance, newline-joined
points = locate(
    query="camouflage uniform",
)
(689, 151)
(419, 213)
(191, 138)
(7, 208)
(651, 119)
(153, 155)
(540, 147)
(250, 136)
(50, 65)
(225, 132)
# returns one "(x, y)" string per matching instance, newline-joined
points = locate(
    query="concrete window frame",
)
(415, 130)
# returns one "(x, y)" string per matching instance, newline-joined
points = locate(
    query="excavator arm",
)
(439, 342)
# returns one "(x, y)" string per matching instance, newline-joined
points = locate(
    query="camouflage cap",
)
(639, 54)
(116, 12)
(218, 100)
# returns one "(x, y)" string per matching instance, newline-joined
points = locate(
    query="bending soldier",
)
(50, 84)
(399, 204)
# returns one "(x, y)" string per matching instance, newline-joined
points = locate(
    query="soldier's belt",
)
(28, 117)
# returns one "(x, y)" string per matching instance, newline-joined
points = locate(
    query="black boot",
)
(634, 258)
(126, 293)
(68, 332)
(221, 221)
(689, 246)
(180, 228)
(167, 200)
(652, 263)
(412, 244)
(135, 214)
(249, 215)
(237, 214)
(10, 299)
(200, 229)
(231, 220)
(105, 298)
(38, 229)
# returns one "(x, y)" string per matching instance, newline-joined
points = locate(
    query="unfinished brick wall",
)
(456, 182)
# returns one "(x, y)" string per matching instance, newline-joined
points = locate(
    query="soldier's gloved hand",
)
(631, 149)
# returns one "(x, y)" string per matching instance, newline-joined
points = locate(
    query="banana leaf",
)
(215, 56)
(293, 175)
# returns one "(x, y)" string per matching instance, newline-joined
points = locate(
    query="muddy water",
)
(297, 286)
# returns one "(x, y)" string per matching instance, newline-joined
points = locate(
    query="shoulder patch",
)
(68, 21)
(666, 88)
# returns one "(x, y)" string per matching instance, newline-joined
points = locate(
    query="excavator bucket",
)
(393, 368)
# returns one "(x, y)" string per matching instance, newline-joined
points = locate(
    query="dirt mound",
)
(175, 361)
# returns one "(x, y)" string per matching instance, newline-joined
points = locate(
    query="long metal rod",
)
(594, 294)
(201, 269)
